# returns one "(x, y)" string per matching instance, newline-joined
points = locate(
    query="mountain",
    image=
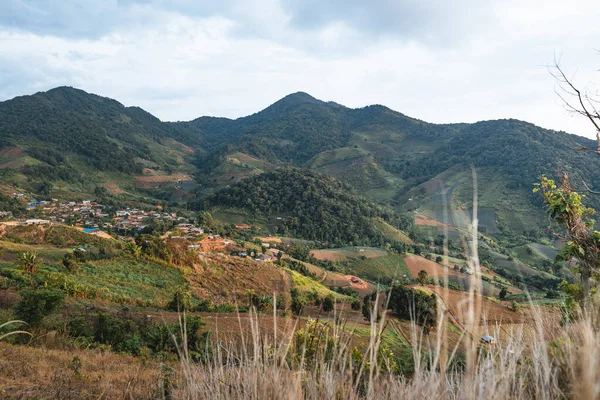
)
(80, 141)
(68, 135)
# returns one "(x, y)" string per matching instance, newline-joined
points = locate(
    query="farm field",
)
(347, 253)
(418, 263)
(379, 269)
(457, 302)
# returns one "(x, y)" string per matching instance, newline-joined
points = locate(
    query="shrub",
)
(298, 301)
(71, 263)
(328, 302)
(37, 304)
(408, 303)
(29, 261)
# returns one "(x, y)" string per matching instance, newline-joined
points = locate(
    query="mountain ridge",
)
(81, 141)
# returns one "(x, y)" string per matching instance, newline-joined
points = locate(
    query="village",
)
(94, 218)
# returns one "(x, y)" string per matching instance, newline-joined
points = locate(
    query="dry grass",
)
(542, 361)
(36, 373)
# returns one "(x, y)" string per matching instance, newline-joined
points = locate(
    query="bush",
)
(298, 301)
(37, 304)
(71, 263)
(328, 302)
(414, 304)
(503, 293)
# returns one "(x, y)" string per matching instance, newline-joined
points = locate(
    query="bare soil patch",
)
(347, 254)
(458, 304)
(418, 263)
(112, 188)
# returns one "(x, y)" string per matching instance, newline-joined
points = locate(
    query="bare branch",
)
(588, 189)
(585, 104)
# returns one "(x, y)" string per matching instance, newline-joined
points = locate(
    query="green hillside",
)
(77, 141)
(311, 206)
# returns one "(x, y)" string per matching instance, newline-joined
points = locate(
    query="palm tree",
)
(29, 261)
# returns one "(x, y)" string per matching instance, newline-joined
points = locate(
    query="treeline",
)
(312, 206)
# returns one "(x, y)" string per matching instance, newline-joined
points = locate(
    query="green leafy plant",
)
(35, 305)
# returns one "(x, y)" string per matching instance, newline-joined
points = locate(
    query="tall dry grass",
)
(537, 360)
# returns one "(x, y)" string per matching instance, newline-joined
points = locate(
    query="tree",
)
(413, 304)
(182, 301)
(37, 304)
(133, 249)
(582, 241)
(503, 293)
(29, 261)
(439, 259)
(578, 101)
(298, 302)
(422, 277)
(328, 303)
(366, 308)
(205, 219)
(355, 305)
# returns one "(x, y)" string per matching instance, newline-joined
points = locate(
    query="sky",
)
(439, 61)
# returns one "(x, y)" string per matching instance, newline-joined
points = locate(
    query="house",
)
(263, 258)
(37, 222)
(275, 252)
(243, 227)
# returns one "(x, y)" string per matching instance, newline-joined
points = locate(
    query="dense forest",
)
(69, 133)
(311, 206)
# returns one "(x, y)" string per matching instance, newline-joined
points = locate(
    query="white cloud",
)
(179, 60)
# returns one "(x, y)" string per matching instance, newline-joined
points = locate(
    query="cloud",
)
(180, 59)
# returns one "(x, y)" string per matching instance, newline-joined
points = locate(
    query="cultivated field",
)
(418, 263)
(347, 253)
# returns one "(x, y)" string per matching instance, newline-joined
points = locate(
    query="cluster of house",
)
(93, 215)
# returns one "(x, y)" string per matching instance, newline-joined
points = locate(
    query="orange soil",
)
(458, 304)
(418, 263)
(11, 153)
(225, 279)
(150, 181)
(345, 255)
(269, 239)
(426, 221)
(112, 188)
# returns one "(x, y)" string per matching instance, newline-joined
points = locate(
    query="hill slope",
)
(66, 134)
(309, 206)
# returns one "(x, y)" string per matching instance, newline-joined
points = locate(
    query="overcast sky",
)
(440, 61)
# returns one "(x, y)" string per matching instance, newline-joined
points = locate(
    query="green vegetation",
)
(314, 206)
(414, 304)
(37, 304)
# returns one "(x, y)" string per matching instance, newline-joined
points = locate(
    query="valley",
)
(305, 215)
